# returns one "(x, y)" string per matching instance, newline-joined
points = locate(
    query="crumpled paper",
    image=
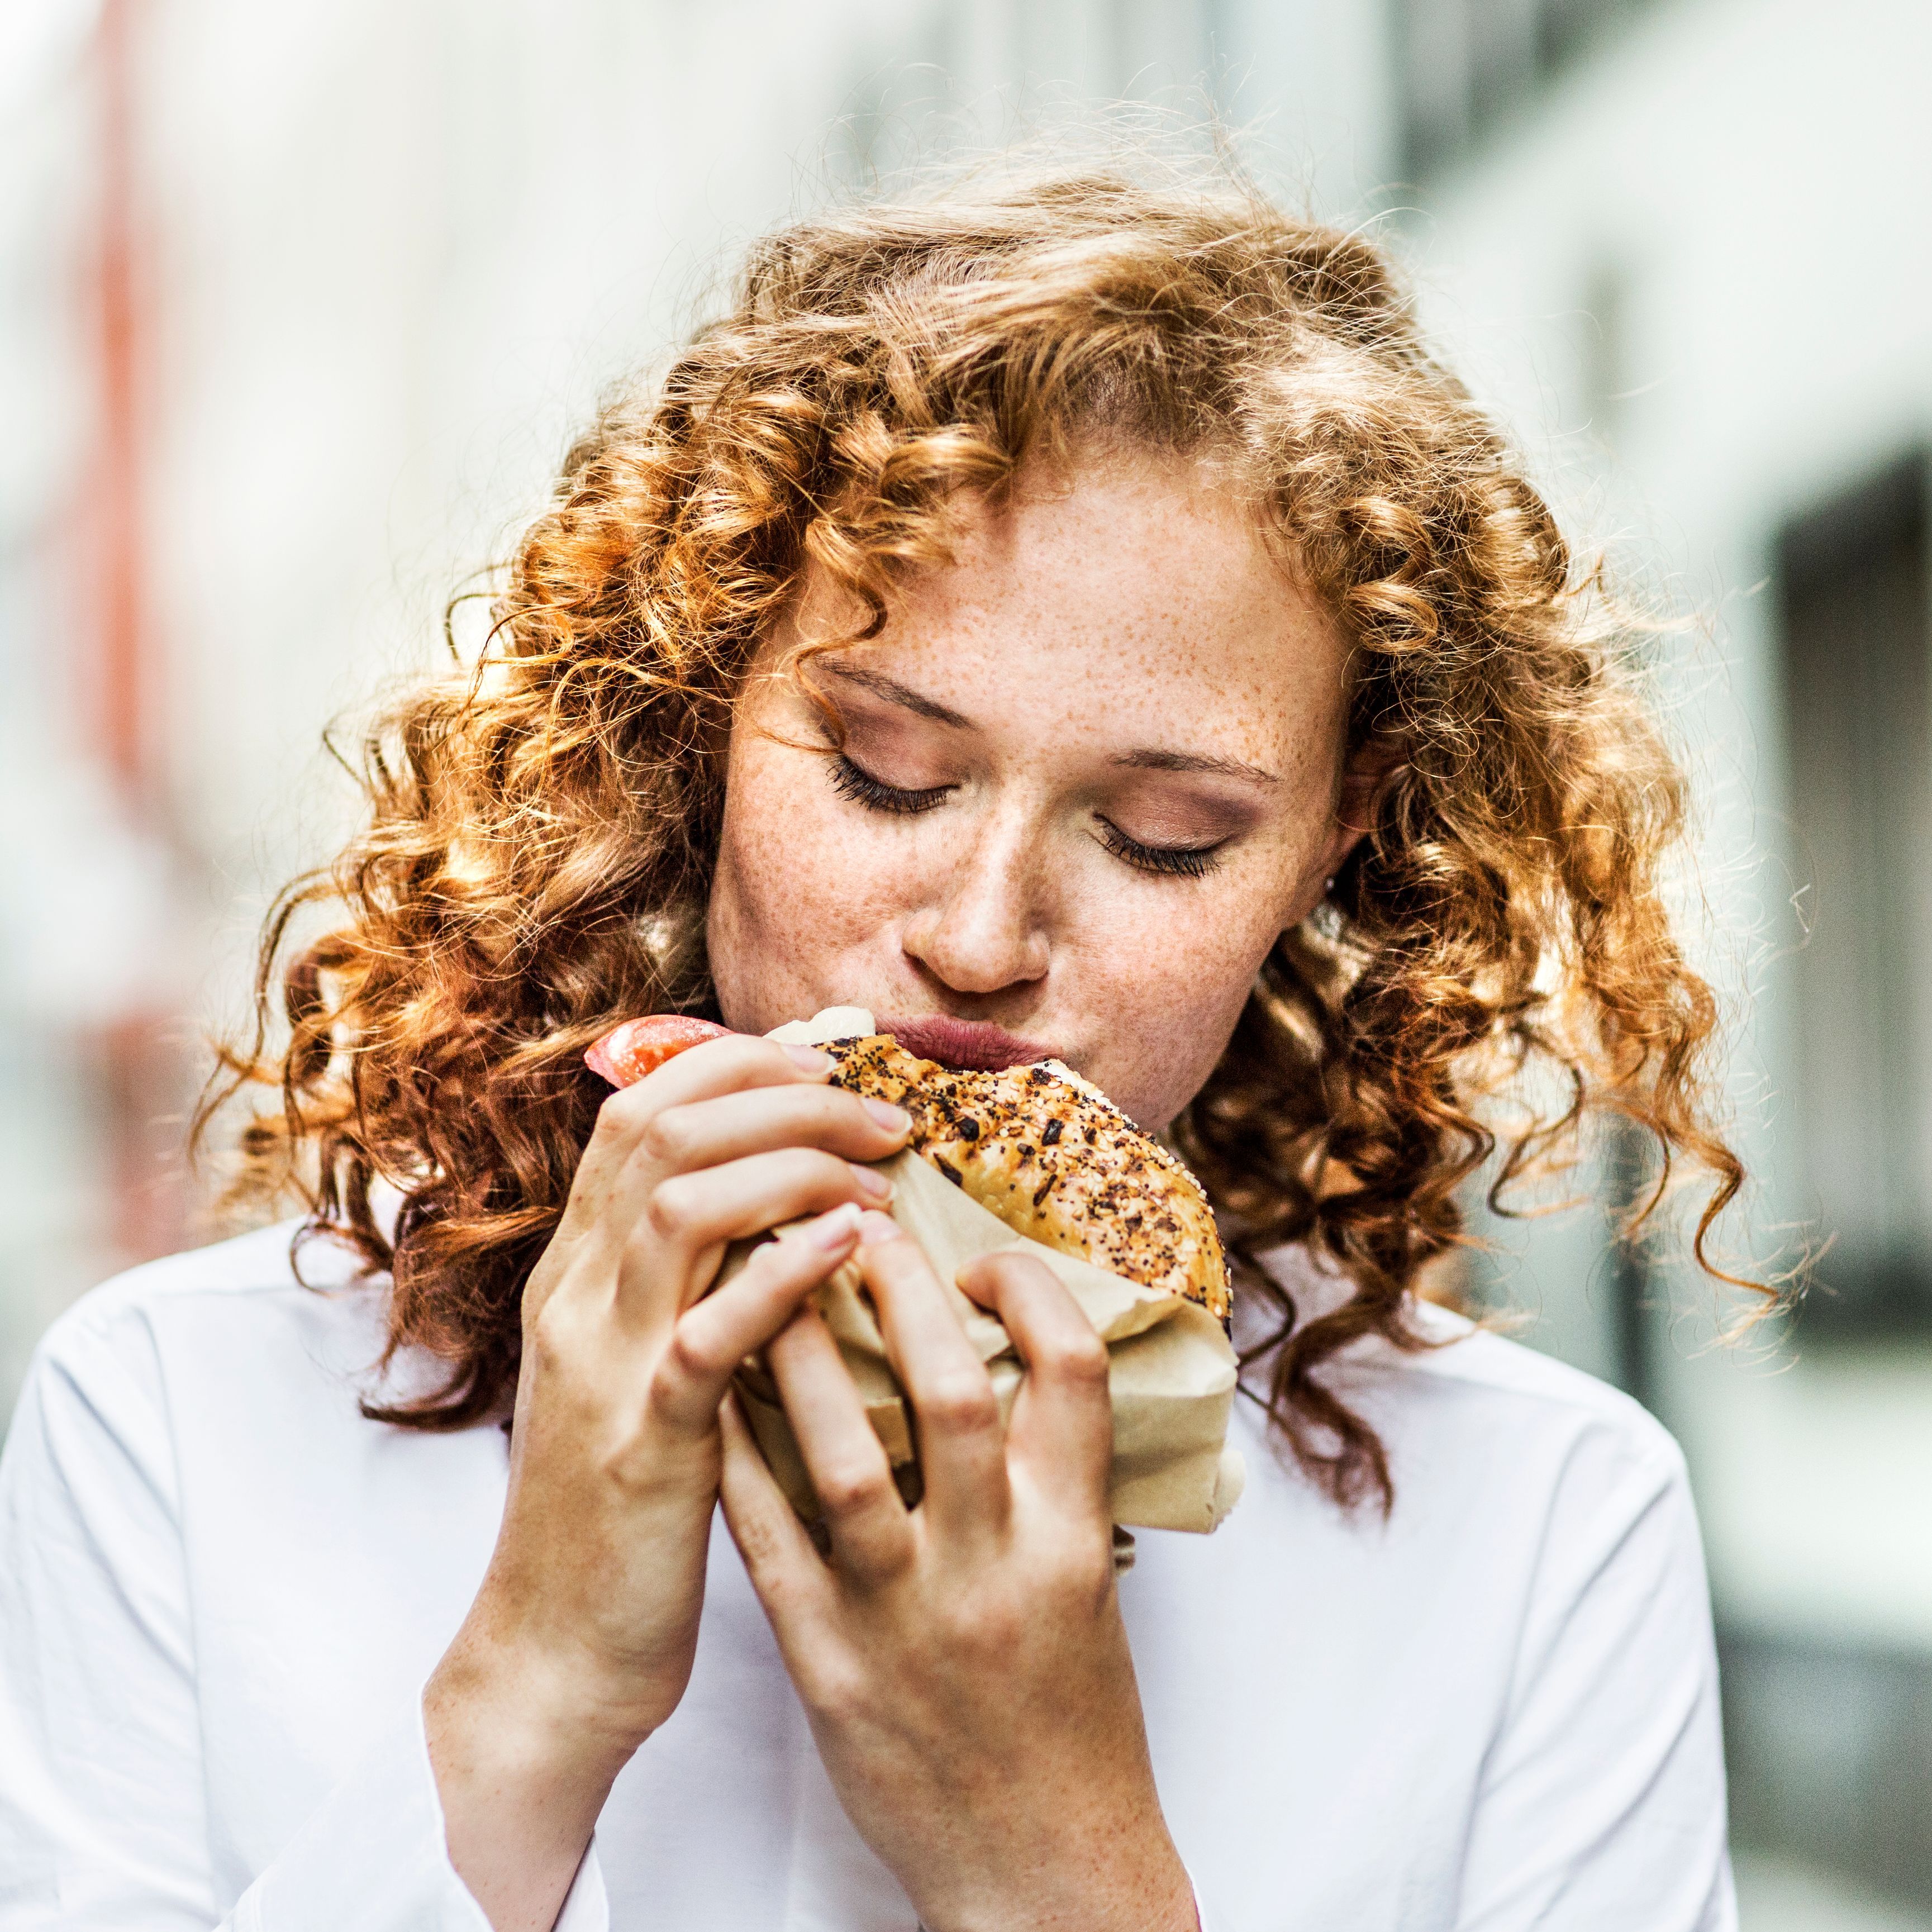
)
(1171, 1369)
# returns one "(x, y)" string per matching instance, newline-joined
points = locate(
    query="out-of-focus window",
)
(1464, 64)
(1826, 1744)
(1857, 637)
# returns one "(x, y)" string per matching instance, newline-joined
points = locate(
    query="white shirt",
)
(221, 1590)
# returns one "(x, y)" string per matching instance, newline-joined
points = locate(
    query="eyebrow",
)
(1153, 761)
(1149, 759)
(894, 692)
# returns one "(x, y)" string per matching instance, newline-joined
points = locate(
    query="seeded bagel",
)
(1055, 1160)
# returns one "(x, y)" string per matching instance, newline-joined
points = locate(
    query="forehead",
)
(1131, 594)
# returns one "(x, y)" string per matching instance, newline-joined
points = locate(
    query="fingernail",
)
(874, 1227)
(809, 1059)
(872, 1184)
(835, 1231)
(894, 1120)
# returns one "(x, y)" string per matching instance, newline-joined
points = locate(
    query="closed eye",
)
(853, 782)
(1185, 861)
(849, 781)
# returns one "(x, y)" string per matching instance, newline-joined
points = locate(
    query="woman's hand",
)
(964, 1663)
(580, 1641)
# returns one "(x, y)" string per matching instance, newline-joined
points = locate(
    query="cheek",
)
(793, 891)
(1173, 987)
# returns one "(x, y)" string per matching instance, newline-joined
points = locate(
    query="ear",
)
(1370, 770)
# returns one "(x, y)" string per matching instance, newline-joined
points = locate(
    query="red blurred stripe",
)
(122, 682)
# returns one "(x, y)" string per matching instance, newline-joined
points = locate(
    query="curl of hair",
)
(541, 827)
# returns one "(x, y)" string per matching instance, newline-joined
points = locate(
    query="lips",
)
(963, 1043)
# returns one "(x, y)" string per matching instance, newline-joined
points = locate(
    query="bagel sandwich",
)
(1032, 1158)
(1056, 1160)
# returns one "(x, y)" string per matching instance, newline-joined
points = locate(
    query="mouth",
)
(969, 1044)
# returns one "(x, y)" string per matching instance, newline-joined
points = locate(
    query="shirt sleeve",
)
(1603, 1800)
(102, 1820)
(372, 1855)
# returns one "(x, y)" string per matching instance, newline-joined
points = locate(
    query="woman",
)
(1081, 620)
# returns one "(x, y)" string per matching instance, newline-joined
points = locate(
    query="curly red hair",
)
(541, 825)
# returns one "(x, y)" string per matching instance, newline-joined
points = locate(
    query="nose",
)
(983, 931)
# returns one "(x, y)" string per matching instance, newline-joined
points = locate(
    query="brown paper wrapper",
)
(1170, 1368)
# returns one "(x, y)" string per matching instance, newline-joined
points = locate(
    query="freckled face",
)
(1090, 773)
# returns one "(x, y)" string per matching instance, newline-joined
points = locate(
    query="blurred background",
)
(298, 304)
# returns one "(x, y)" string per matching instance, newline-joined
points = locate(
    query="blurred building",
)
(1683, 247)
(298, 306)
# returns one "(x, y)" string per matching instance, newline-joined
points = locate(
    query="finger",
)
(1060, 1434)
(731, 1064)
(680, 1229)
(705, 1133)
(711, 1339)
(784, 1569)
(871, 1532)
(723, 1066)
(961, 1446)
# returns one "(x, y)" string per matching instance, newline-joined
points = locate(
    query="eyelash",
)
(1183, 861)
(849, 781)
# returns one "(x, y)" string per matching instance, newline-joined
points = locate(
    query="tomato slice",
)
(627, 1053)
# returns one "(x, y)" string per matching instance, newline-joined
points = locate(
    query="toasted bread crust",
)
(1055, 1161)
